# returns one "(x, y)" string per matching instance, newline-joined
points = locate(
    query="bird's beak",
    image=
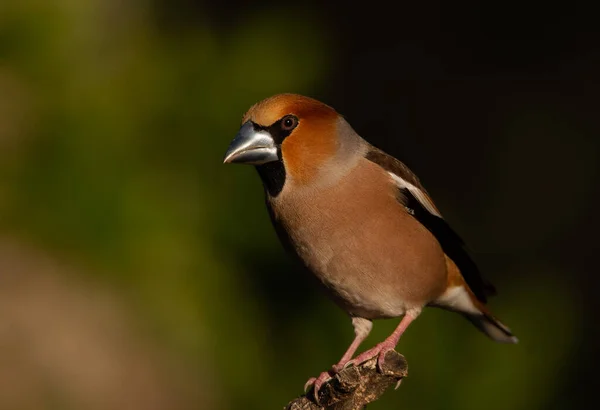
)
(251, 147)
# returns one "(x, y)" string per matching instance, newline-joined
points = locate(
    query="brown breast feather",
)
(374, 257)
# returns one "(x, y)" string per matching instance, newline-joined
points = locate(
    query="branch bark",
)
(356, 386)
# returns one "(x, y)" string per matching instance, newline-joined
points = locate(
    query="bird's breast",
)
(373, 257)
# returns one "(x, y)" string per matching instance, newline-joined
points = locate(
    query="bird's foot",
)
(317, 382)
(378, 350)
(336, 368)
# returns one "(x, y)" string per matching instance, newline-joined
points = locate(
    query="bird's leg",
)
(388, 344)
(362, 328)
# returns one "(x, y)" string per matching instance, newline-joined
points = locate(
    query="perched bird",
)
(360, 221)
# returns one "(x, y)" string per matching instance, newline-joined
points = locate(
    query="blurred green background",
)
(138, 272)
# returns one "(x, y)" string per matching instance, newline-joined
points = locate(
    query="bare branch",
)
(354, 387)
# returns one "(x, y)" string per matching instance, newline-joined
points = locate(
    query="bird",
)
(361, 221)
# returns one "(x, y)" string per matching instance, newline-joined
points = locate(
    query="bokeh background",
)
(138, 272)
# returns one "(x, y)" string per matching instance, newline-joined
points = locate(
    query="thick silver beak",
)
(251, 147)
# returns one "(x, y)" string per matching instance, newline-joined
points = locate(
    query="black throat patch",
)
(273, 173)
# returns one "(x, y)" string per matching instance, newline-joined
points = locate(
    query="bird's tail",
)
(460, 299)
(492, 327)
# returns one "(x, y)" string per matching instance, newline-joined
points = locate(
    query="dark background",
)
(138, 272)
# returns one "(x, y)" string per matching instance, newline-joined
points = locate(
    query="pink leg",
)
(362, 328)
(388, 344)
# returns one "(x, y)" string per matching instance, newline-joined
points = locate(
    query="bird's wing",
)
(413, 196)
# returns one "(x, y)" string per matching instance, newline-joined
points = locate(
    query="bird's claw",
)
(381, 359)
(317, 383)
(309, 383)
(398, 384)
(336, 368)
(378, 351)
(348, 364)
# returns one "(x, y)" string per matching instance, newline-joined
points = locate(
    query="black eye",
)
(289, 122)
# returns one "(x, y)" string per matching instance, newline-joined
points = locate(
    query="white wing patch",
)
(417, 193)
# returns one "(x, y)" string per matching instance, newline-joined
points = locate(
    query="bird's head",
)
(293, 134)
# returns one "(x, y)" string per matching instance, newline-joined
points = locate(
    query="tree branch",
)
(354, 387)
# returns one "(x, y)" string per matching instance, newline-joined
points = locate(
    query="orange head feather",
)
(313, 141)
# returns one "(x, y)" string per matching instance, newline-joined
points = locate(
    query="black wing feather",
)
(453, 246)
(451, 243)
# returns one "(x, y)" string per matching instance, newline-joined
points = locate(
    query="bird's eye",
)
(289, 122)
